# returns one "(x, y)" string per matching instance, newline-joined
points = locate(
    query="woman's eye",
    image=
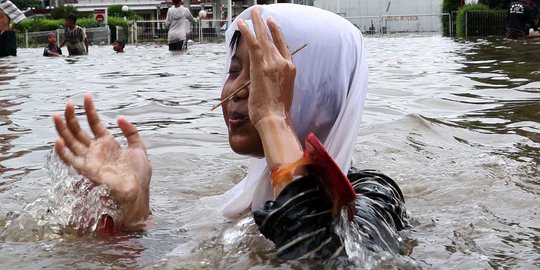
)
(233, 72)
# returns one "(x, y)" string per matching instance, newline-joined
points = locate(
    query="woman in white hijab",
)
(294, 191)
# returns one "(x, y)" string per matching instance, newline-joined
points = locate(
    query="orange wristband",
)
(283, 173)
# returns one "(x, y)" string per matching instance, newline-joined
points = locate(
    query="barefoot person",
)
(293, 190)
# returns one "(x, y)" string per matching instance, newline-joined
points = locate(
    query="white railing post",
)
(200, 32)
(136, 34)
(26, 37)
(466, 13)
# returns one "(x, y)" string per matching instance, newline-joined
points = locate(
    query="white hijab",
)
(329, 90)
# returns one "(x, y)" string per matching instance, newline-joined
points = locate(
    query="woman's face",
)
(243, 137)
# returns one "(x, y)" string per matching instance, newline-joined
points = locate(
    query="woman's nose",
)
(242, 94)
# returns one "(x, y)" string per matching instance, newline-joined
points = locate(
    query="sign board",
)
(100, 15)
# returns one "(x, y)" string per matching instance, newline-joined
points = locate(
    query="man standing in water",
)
(176, 20)
(519, 20)
(8, 42)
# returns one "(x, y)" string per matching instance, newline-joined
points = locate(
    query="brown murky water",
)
(456, 123)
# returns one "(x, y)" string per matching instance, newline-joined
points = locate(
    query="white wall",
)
(379, 7)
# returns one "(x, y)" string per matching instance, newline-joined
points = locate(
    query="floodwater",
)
(456, 123)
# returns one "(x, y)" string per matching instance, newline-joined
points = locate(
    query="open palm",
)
(126, 171)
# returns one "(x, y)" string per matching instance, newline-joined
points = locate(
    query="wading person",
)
(295, 188)
(8, 41)
(74, 36)
(52, 49)
(118, 46)
(519, 20)
(177, 21)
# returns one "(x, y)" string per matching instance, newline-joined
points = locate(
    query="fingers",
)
(76, 161)
(254, 48)
(131, 133)
(279, 39)
(260, 43)
(95, 124)
(67, 137)
(73, 124)
(260, 29)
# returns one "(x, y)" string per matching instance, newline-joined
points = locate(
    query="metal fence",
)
(485, 22)
(96, 36)
(202, 31)
(214, 30)
(401, 24)
(125, 34)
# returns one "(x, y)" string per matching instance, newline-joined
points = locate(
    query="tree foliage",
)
(116, 11)
(449, 6)
(61, 11)
(496, 4)
(25, 4)
(460, 19)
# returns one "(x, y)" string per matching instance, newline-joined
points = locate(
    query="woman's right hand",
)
(101, 159)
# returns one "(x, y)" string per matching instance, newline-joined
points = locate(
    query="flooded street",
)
(455, 122)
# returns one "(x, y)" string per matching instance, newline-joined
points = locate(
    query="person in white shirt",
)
(176, 20)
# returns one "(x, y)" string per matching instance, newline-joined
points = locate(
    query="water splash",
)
(73, 206)
(353, 241)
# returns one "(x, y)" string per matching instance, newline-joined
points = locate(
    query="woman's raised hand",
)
(101, 159)
(272, 71)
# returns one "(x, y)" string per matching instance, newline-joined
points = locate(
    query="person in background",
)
(52, 49)
(536, 12)
(74, 38)
(177, 17)
(118, 46)
(520, 19)
(8, 41)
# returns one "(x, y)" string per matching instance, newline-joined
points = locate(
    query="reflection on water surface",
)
(456, 123)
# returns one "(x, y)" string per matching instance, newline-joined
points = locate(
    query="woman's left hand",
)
(272, 71)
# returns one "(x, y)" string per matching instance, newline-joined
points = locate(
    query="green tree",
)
(450, 7)
(24, 4)
(116, 11)
(496, 4)
(61, 11)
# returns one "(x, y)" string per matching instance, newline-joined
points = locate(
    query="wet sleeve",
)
(379, 210)
(301, 224)
(189, 16)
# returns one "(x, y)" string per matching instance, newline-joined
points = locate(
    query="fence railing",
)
(96, 36)
(202, 31)
(485, 22)
(401, 24)
(214, 30)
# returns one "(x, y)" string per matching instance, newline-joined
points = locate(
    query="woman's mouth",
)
(238, 119)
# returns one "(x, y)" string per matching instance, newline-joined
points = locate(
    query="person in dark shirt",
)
(8, 41)
(520, 20)
(52, 49)
(296, 189)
